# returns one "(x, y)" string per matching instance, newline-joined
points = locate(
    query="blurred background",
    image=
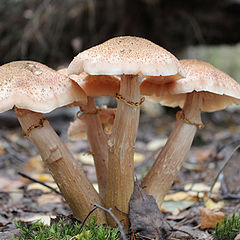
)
(53, 31)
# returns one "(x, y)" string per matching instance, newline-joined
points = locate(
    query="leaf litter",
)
(212, 146)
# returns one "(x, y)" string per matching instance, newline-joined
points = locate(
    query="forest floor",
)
(186, 206)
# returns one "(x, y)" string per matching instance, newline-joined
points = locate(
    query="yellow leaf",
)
(38, 186)
(210, 204)
(179, 196)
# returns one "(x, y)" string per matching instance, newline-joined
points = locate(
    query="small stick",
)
(40, 182)
(115, 219)
(221, 170)
(85, 219)
(112, 215)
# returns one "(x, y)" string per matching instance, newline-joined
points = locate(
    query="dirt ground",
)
(24, 199)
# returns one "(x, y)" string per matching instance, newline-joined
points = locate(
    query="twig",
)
(40, 182)
(221, 170)
(85, 219)
(115, 219)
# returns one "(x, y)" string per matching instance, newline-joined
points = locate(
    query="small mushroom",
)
(32, 89)
(205, 88)
(128, 57)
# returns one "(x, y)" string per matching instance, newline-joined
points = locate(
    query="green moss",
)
(65, 231)
(229, 229)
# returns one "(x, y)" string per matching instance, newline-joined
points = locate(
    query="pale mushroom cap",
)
(218, 90)
(34, 86)
(126, 55)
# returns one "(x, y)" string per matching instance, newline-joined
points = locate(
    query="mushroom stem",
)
(121, 150)
(98, 141)
(170, 159)
(69, 176)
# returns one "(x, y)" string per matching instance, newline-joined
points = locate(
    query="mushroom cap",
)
(95, 85)
(217, 89)
(126, 55)
(36, 87)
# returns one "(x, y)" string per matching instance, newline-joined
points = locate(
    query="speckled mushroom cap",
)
(126, 55)
(217, 89)
(95, 86)
(34, 86)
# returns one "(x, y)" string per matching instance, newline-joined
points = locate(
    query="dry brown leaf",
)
(209, 218)
(145, 216)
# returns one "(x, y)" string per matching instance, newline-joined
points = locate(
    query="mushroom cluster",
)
(127, 68)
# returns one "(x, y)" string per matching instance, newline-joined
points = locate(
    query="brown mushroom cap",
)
(95, 86)
(126, 55)
(218, 90)
(34, 86)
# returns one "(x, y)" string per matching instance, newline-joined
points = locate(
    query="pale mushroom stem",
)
(170, 159)
(69, 176)
(121, 150)
(98, 141)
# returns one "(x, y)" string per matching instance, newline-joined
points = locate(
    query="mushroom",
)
(32, 89)
(128, 57)
(77, 129)
(96, 86)
(205, 88)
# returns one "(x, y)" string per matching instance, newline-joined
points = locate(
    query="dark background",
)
(53, 32)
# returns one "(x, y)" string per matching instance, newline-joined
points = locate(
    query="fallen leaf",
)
(156, 144)
(48, 198)
(179, 196)
(203, 154)
(201, 189)
(175, 207)
(45, 219)
(38, 186)
(145, 216)
(210, 204)
(209, 218)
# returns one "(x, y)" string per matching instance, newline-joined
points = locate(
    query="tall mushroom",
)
(95, 86)
(32, 89)
(128, 57)
(205, 88)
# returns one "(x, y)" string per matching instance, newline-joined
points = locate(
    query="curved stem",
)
(121, 146)
(170, 159)
(70, 178)
(98, 141)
